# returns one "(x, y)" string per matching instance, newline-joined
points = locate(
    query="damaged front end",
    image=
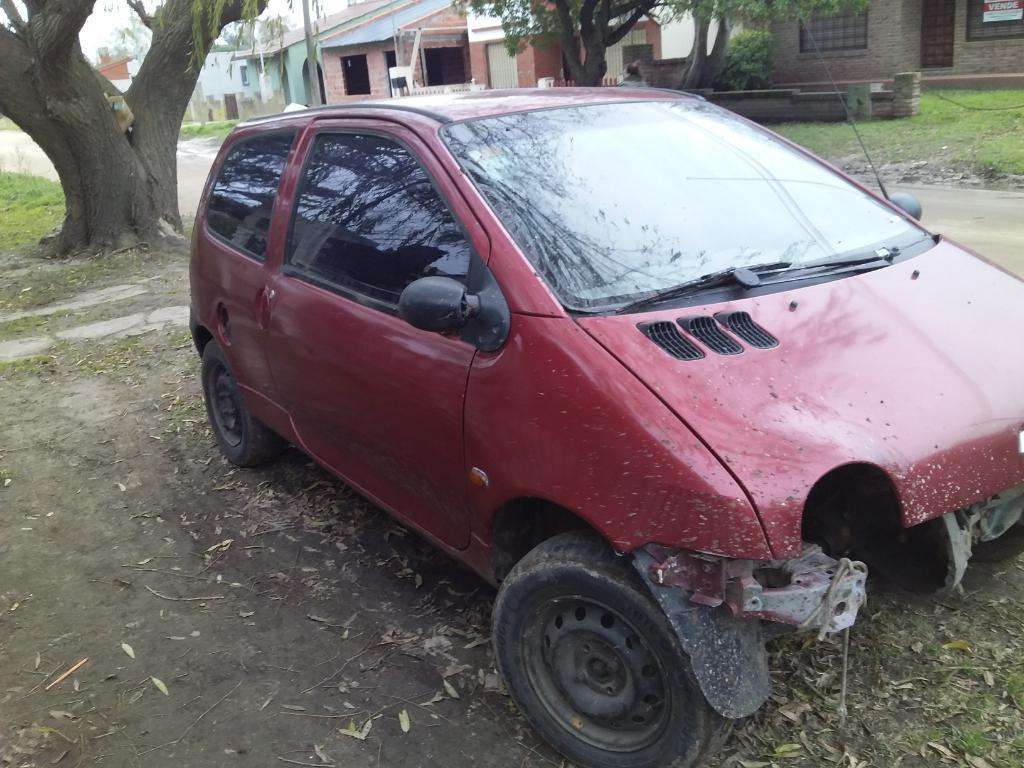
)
(989, 530)
(717, 607)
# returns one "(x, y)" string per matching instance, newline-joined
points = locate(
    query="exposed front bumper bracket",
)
(813, 591)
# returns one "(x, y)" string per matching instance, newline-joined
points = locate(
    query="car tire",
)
(593, 664)
(1007, 546)
(242, 438)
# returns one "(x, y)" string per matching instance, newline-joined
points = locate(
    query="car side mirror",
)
(437, 304)
(907, 202)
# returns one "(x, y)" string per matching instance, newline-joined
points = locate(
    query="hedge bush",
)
(748, 62)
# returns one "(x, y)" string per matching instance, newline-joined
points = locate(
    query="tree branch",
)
(140, 10)
(567, 31)
(55, 26)
(587, 18)
(13, 16)
(623, 29)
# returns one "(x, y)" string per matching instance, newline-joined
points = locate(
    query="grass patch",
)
(217, 129)
(37, 364)
(30, 207)
(984, 142)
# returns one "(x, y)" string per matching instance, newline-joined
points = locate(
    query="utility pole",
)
(312, 67)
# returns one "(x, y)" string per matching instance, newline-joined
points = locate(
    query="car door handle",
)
(265, 303)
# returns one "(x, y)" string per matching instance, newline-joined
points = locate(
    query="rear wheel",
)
(242, 438)
(594, 665)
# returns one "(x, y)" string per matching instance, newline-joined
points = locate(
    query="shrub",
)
(748, 62)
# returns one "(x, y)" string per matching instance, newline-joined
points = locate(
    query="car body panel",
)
(553, 416)
(911, 368)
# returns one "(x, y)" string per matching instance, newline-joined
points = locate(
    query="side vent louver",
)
(743, 325)
(667, 336)
(706, 330)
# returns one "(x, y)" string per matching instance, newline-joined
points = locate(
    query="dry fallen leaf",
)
(957, 645)
(450, 689)
(403, 721)
(128, 649)
(944, 751)
(160, 686)
(356, 733)
(787, 750)
(318, 749)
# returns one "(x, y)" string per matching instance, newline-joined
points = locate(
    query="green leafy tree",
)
(120, 186)
(587, 28)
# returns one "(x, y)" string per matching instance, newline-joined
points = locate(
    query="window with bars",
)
(847, 31)
(979, 29)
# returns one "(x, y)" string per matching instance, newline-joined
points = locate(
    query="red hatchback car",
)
(668, 380)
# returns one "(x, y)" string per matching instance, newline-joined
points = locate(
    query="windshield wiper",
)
(744, 277)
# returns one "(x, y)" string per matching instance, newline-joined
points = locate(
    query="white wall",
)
(220, 75)
(483, 28)
(677, 37)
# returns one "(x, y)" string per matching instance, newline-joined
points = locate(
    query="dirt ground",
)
(273, 617)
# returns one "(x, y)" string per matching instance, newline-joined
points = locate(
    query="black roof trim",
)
(330, 108)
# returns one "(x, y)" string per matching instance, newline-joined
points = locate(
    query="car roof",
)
(453, 107)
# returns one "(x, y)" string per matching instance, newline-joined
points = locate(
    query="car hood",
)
(916, 368)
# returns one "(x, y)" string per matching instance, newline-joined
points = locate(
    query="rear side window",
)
(369, 220)
(243, 195)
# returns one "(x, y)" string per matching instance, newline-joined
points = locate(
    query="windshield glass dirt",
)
(614, 202)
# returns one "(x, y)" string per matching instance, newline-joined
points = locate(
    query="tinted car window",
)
(369, 219)
(615, 202)
(243, 195)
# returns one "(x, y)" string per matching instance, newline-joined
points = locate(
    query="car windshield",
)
(614, 202)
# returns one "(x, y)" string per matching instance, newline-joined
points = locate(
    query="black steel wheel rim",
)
(225, 406)
(596, 675)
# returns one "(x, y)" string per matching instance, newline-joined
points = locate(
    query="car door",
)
(376, 400)
(234, 259)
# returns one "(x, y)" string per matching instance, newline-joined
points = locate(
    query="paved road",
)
(19, 153)
(990, 222)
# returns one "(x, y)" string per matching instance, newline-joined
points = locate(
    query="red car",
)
(667, 379)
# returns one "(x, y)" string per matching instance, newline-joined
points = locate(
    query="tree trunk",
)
(120, 187)
(704, 68)
(716, 59)
(695, 73)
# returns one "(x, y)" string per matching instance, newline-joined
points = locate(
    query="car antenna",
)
(846, 106)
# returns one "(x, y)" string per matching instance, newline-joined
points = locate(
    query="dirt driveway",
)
(288, 622)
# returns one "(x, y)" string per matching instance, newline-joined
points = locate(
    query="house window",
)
(244, 72)
(994, 19)
(846, 31)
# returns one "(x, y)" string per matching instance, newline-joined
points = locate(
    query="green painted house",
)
(284, 59)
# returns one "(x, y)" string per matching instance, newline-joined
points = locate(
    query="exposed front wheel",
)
(592, 662)
(242, 438)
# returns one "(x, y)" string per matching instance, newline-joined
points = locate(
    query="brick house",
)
(356, 60)
(951, 42)
(118, 70)
(492, 66)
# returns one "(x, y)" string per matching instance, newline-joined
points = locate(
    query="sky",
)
(109, 16)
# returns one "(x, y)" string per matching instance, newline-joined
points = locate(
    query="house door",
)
(230, 106)
(501, 68)
(357, 75)
(937, 30)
